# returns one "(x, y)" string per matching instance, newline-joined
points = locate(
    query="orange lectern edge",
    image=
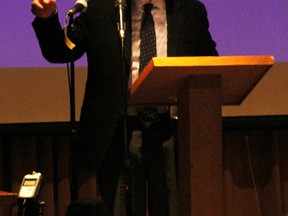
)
(8, 198)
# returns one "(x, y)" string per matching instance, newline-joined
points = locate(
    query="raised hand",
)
(43, 8)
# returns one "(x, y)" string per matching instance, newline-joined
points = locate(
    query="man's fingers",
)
(43, 8)
(48, 2)
(36, 4)
(36, 8)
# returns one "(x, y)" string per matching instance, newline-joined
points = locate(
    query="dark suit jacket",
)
(95, 33)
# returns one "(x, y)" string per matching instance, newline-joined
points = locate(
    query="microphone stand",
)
(73, 130)
(121, 4)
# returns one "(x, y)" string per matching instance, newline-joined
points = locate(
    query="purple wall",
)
(250, 27)
(239, 27)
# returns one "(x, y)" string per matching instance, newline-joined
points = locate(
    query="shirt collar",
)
(137, 4)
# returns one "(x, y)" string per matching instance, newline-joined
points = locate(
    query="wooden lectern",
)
(199, 86)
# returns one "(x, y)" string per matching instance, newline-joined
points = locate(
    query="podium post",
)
(199, 86)
(200, 146)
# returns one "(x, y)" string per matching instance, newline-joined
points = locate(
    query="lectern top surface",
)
(159, 81)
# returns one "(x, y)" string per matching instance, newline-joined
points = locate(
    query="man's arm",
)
(49, 32)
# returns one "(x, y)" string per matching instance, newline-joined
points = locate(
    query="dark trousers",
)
(147, 177)
(148, 166)
(108, 173)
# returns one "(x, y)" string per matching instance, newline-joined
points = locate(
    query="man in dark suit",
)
(99, 144)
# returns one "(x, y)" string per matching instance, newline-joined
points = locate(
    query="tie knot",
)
(148, 7)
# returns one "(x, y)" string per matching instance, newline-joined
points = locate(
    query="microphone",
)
(121, 4)
(79, 7)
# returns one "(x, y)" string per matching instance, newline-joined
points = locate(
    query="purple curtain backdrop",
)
(247, 27)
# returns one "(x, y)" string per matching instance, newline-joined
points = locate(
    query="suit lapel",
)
(175, 21)
(128, 34)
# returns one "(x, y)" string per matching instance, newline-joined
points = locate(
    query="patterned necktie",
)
(147, 114)
(148, 37)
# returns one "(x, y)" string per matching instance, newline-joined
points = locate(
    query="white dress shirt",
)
(159, 16)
